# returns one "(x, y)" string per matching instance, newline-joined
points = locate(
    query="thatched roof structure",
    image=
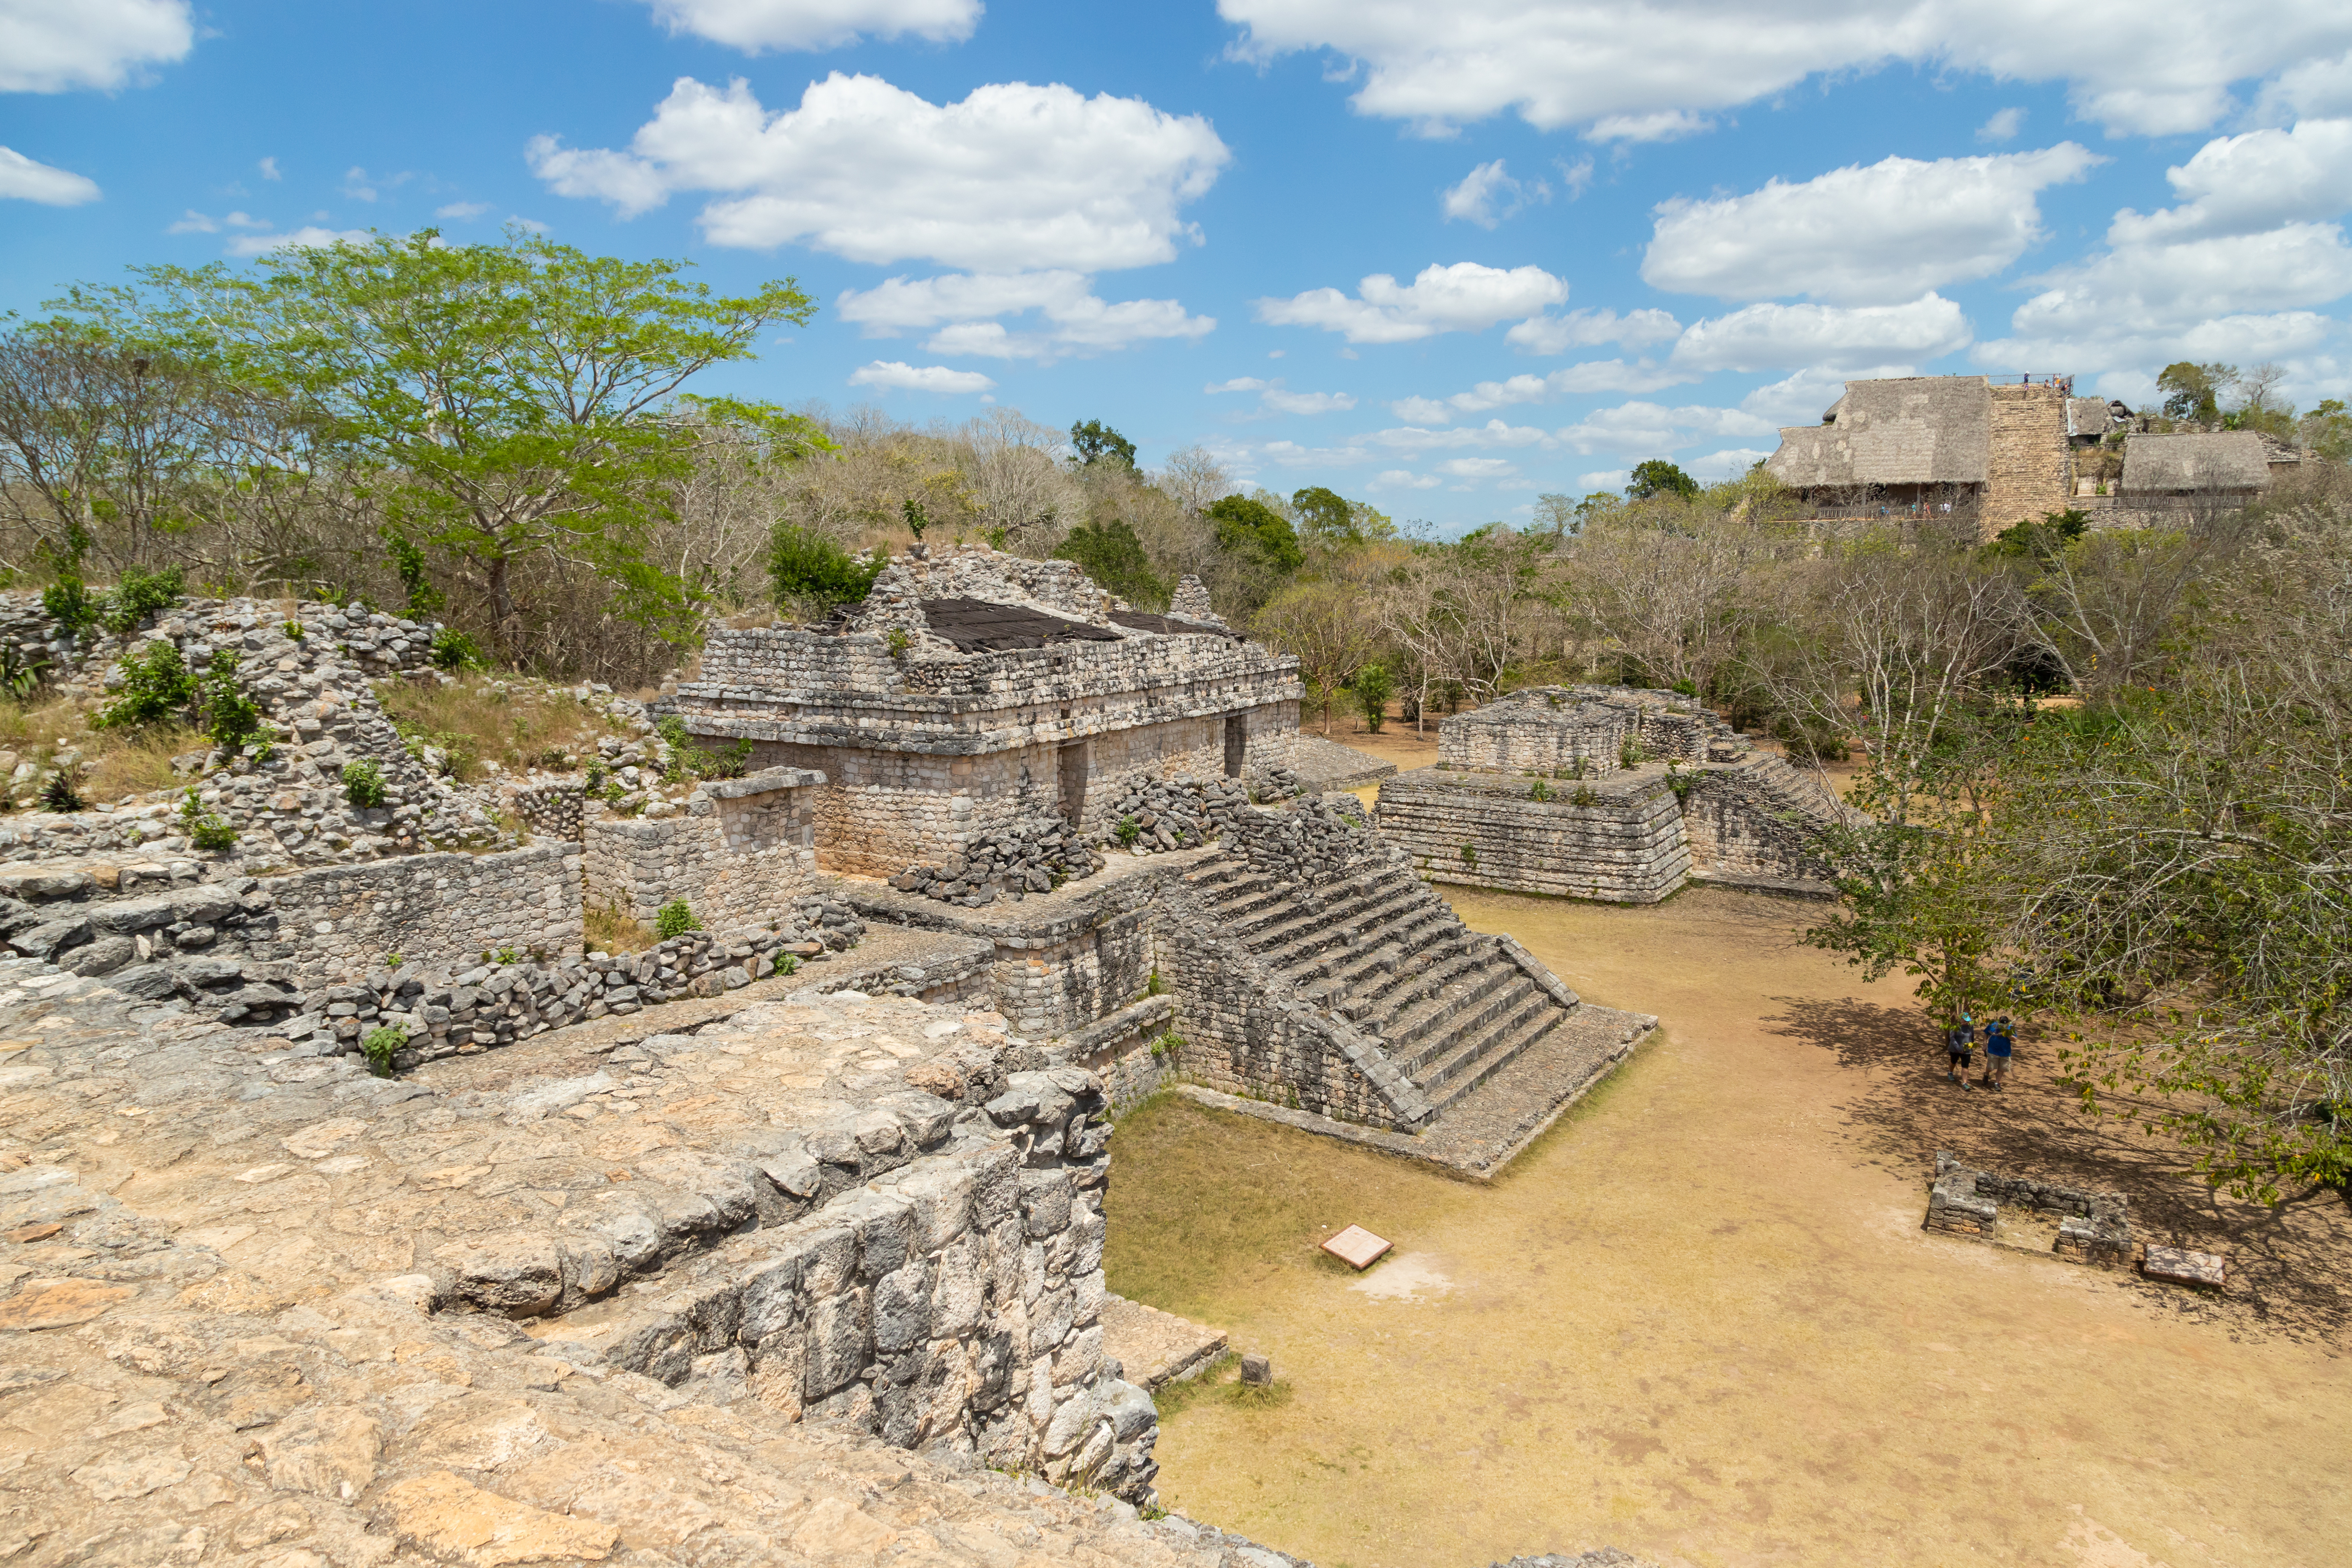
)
(2191, 465)
(1915, 430)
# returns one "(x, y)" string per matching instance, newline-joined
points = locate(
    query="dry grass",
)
(36, 728)
(138, 762)
(483, 719)
(610, 930)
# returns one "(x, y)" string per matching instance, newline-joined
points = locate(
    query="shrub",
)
(786, 963)
(205, 829)
(139, 595)
(20, 677)
(687, 760)
(363, 783)
(1584, 795)
(1111, 554)
(1630, 753)
(811, 571)
(157, 686)
(675, 918)
(1680, 782)
(1373, 687)
(62, 792)
(1470, 855)
(1541, 791)
(453, 650)
(70, 603)
(293, 630)
(379, 1044)
(1129, 830)
(232, 718)
(1167, 1045)
(898, 641)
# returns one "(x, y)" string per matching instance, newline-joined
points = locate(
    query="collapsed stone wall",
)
(742, 853)
(1584, 732)
(1964, 1201)
(1759, 823)
(1031, 854)
(2030, 464)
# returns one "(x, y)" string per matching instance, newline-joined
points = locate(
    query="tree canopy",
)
(1095, 441)
(1256, 530)
(1658, 476)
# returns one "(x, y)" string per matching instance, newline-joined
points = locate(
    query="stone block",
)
(2180, 1266)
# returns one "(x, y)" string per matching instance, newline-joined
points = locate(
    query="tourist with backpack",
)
(1959, 1044)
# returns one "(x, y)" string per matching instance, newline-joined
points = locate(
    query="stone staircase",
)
(1449, 1007)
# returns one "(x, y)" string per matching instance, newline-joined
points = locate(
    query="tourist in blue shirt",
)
(1999, 1041)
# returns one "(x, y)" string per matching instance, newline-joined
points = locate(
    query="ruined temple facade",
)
(973, 691)
(1607, 793)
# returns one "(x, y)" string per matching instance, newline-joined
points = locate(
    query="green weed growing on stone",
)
(363, 783)
(379, 1045)
(1129, 830)
(232, 718)
(1167, 1046)
(786, 963)
(70, 605)
(205, 829)
(139, 595)
(157, 687)
(393, 961)
(1585, 795)
(675, 918)
(62, 792)
(1470, 855)
(1539, 791)
(898, 641)
(1680, 782)
(509, 954)
(1631, 753)
(293, 630)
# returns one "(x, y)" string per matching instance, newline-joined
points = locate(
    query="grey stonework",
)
(1617, 795)
(1032, 856)
(1965, 1202)
(742, 853)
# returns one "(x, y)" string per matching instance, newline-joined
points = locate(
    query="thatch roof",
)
(1915, 430)
(2185, 464)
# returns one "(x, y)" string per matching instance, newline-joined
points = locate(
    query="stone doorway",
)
(1236, 744)
(1074, 782)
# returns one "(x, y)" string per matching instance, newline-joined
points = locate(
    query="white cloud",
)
(1605, 479)
(2004, 126)
(1781, 337)
(2315, 87)
(1403, 480)
(1462, 298)
(1493, 433)
(1725, 464)
(1484, 187)
(962, 305)
(1802, 398)
(56, 46)
(1478, 468)
(269, 170)
(245, 220)
(461, 212)
(1012, 178)
(1646, 429)
(1576, 176)
(193, 222)
(1238, 384)
(891, 373)
(22, 179)
(1861, 236)
(1550, 334)
(1597, 375)
(309, 235)
(1307, 402)
(2234, 272)
(754, 26)
(1663, 69)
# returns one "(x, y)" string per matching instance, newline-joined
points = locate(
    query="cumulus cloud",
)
(1666, 68)
(193, 222)
(1861, 236)
(1272, 396)
(2235, 271)
(1072, 320)
(269, 169)
(1462, 298)
(57, 45)
(2315, 87)
(1804, 398)
(1634, 428)
(1487, 187)
(1403, 480)
(1598, 375)
(754, 26)
(1238, 384)
(1723, 465)
(891, 373)
(1550, 334)
(308, 234)
(1478, 468)
(1781, 337)
(462, 212)
(2004, 126)
(24, 180)
(1012, 178)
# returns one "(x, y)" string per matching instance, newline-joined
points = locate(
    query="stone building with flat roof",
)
(974, 692)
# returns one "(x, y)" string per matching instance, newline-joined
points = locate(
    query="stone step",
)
(1487, 1051)
(1429, 1017)
(1502, 1055)
(1402, 998)
(1367, 968)
(1465, 1017)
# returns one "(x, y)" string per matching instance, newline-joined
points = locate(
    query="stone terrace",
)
(258, 1307)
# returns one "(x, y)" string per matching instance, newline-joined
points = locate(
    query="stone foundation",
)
(1965, 1202)
(744, 851)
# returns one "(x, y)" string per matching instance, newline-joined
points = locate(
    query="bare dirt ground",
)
(1699, 1320)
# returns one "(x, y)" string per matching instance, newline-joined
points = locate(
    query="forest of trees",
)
(2106, 772)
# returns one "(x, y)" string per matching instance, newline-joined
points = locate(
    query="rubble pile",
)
(1035, 854)
(1174, 814)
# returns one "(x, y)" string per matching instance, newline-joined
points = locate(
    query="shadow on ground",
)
(2280, 1276)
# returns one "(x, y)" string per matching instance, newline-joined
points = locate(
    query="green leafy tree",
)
(1658, 476)
(1373, 687)
(138, 595)
(1111, 554)
(1331, 521)
(811, 571)
(1258, 534)
(510, 400)
(2193, 391)
(1095, 442)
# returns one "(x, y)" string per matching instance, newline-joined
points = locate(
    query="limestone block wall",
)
(1627, 845)
(1757, 823)
(741, 855)
(340, 920)
(1556, 729)
(2032, 464)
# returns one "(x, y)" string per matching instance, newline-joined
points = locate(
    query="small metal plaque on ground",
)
(2182, 1267)
(1356, 1247)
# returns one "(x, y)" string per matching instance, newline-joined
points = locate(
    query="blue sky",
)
(1440, 258)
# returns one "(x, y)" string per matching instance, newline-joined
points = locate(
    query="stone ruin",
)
(2095, 1228)
(624, 1226)
(1608, 793)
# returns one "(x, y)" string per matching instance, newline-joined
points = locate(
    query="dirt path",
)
(1699, 1320)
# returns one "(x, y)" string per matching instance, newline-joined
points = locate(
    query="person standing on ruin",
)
(1959, 1044)
(2000, 1040)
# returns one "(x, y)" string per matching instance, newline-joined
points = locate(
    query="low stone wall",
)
(339, 921)
(741, 853)
(1757, 823)
(1966, 1202)
(1617, 838)
(1135, 1051)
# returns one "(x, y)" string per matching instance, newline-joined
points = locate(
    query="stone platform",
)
(1156, 1347)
